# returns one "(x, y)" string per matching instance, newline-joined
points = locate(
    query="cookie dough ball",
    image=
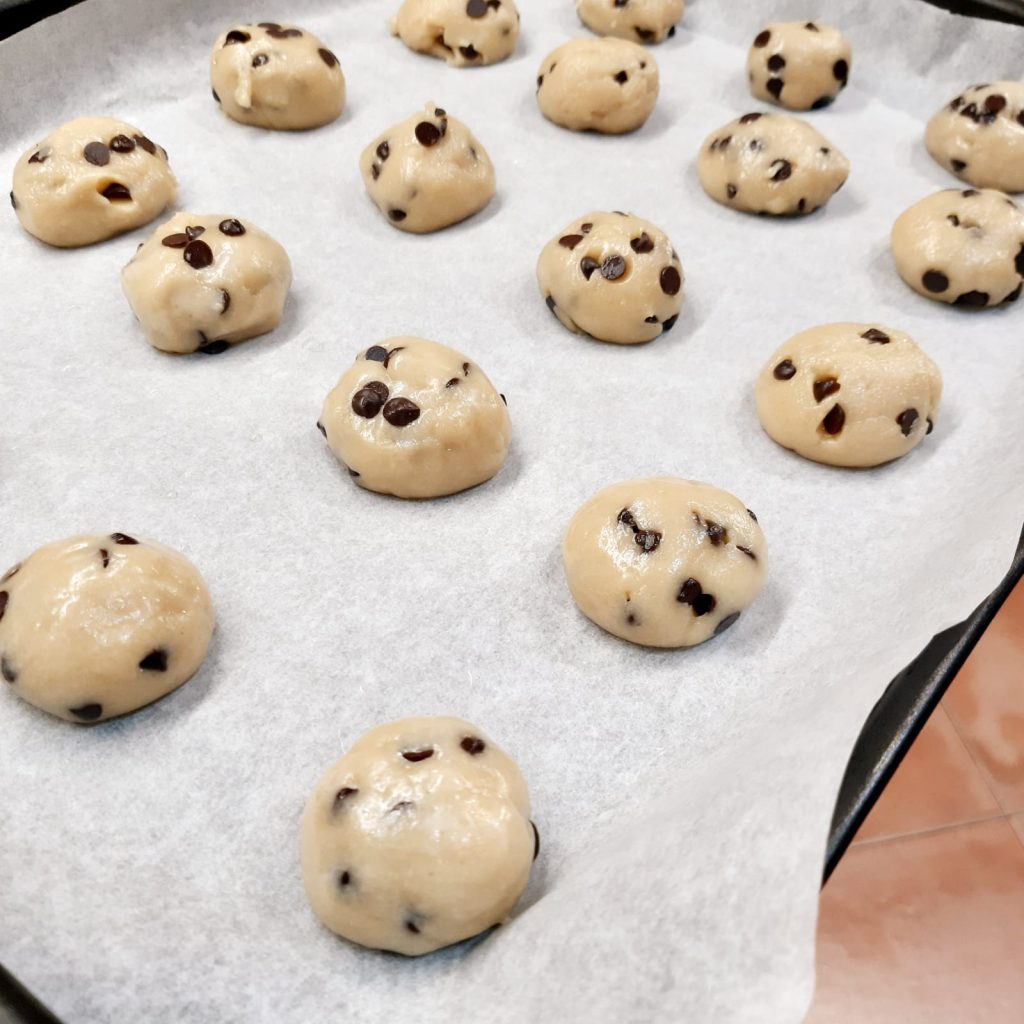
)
(91, 179)
(644, 21)
(965, 247)
(602, 85)
(427, 172)
(802, 65)
(664, 562)
(276, 76)
(612, 276)
(420, 836)
(202, 282)
(465, 33)
(979, 136)
(94, 627)
(771, 163)
(849, 394)
(416, 419)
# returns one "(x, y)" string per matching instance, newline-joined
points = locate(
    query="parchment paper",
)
(149, 867)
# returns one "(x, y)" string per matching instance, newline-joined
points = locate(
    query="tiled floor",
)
(923, 921)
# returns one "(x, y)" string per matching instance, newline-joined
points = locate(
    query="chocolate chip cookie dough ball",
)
(849, 394)
(276, 76)
(427, 172)
(420, 836)
(91, 179)
(416, 419)
(612, 276)
(202, 282)
(641, 21)
(979, 136)
(664, 562)
(964, 247)
(96, 626)
(802, 65)
(771, 163)
(602, 85)
(465, 33)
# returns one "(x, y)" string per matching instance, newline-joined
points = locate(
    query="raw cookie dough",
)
(416, 419)
(642, 21)
(962, 246)
(604, 85)
(801, 65)
(96, 626)
(427, 172)
(849, 394)
(612, 276)
(91, 179)
(771, 163)
(979, 136)
(420, 836)
(465, 33)
(664, 562)
(201, 282)
(276, 76)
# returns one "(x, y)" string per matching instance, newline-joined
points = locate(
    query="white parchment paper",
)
(149, 867)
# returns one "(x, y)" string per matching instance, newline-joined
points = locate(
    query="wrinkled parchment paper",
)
(149, 867)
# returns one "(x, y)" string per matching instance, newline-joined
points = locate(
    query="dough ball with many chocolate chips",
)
(604, 85)
(465, 33)
(96, 626)
(979, 136)
(91, 179)
(962, 246)
(771, 163)
(416, 419)
(427, 172)
(802, 65)
(420, 836)
(276, 76)
(640, 21)
(664, 562)
(612, 276)
(202, 282)
(849, 394)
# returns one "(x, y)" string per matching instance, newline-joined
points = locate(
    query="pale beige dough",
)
(979, 136)
(96, 626)
(605, 85)
(962, 246)
(465, 33)
(91, 179)
(771, 163)
(802, 65)
(416, 419)
(612, 276)
(427, 172)
(849, 394)
(641, 21)
(202, 282)
(276, 76)
(420, 836)
(664, 562)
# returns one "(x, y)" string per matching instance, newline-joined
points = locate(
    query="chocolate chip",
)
(536, 841)
(811, 27)
(321, 428)
(155, 661)
(876, 337)
(13, 571)
(369, 400)
(469, 52)
(122, 538)
(259, 60)
(198, 255)
(751, 514)
(383, 150)
(774, 86)
(375, 171)
(776, 62)
(87, 712)
(427, 134)
(692, 593)
(231, 227)
(418, 755)
(216, 98)
(540, 81)
(746, 551)
(476, 8)
(972, 298)
(377, 353)
(472, 745)
(782, 168)
(968, 192)
(412, 926)
(7, 670)
(394, 351)
(669, 324)
(122, 144)
(115, 192)
(957, 165)
(834, 421)
(824, 151)
(726, 623)
(824, 387)
(194, 231)
(328, 58)
(345, 878)
(613, 268)
(730, 191)
(645, 35)
(841, 70)
(1020, 117)
(671, 31)
(642, 244)
(784, 370)
(748, 118)
(503, 398)
(821, 102)
(396, 215)
(650, 319)
(225, 301)
(931, 427)
(1015, 294)
(647, 540)
(213, 348)
(268, 24)
(622, 78)
(956, 103)
(586, 228)
(588, 266)
(98, 154)
(906, 420)
(39, 157)
(147, 144)
(549, 301)
(283, 33)
(343, 794)
(1018, 261)
(570, 241)
(4, 597)
(400, 412)
(670, 281)
(995, 103)
(761, 39)
(236, 36)
(935, 280)
(717, 534)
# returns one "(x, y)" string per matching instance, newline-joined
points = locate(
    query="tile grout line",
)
(882, 840)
